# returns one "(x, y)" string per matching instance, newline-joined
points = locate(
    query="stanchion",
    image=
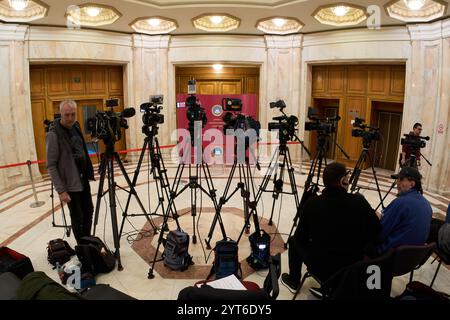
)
(37, 203)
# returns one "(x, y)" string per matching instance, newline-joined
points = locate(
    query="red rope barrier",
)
(120, 152)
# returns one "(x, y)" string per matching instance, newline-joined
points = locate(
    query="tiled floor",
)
(28, 230)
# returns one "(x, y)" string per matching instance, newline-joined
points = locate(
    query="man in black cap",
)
(407, 219)
(334, 230)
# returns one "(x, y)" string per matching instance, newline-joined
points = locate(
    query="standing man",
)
(70, 168)
(407, 219)
(407, 151)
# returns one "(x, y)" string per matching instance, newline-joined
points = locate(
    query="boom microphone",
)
(128, 112)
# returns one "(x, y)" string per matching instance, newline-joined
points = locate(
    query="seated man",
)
(334, 230)
(407, 219)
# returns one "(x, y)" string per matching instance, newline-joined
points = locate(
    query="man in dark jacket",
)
(334, 231)
(70, 168)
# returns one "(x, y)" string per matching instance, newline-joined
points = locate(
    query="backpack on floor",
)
(176, 255)
(59, 252)
(94, 256)
(226, 260)
(260, 246)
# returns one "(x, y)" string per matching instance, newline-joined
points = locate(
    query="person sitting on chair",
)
(407, 219)
(334, 230)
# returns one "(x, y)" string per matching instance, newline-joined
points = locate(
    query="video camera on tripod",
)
(152, 113)
(366, 132)
(286, 125)
(106, 125)
(195, 112)
(324, 126)
(413, 141)
(239, 121)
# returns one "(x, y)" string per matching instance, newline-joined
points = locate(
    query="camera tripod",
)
(363, 158)
(193, 184)
(106, 168)
(311, 188)
(67, 228)
(246, 186)
(159, 173)
(281, 159)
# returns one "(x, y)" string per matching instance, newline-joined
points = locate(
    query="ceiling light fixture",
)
(93, 11)
(154, 22)
(414, 4)
(340, 11)
(279, 22)
(216, 19)
(217, 67)
(18, 5)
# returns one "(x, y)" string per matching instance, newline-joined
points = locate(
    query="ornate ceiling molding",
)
(35, 10)
(286, 25)
(162, 25)
(352, 14)
(80, 14)
(432, 9)
(225, 22)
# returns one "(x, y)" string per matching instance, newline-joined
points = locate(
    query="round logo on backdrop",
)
(217, 152)
(217, 110)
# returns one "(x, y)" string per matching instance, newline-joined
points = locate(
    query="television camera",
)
(106, 125)
(152, 113)
(286, 125)
(415, 142)
(323, 126)
(364, 131)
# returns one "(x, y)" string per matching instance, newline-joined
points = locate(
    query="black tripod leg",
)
(112, 205)
(133, 192)
(133, 183)
(194, 202)
(385, 196)
(376, 180)
(103, 168)
(222, 201)
(357, 171)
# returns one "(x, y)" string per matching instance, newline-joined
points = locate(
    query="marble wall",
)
(285, 73)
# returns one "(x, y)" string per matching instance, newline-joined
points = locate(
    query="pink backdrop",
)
(214, 113)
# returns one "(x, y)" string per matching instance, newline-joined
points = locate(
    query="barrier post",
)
(37, 203)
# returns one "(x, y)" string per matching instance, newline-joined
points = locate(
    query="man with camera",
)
(407, 219)
(335, 230)
(70, 167)
(408, 150)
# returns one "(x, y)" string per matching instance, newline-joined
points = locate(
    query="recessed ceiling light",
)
(154, 22)
(217, 67)
(340, 11)
(414, 4)
(93, 11)
(216, 19)
(279, 22)
(18, 5)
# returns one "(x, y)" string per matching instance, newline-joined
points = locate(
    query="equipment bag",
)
(260, 246)
(94, 256)
(15, 262)
(226, 260)
(59, 252)
(176, 255)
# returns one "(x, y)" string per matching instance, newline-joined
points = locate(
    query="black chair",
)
(409, 258)
(350, 283)
(442, 257)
